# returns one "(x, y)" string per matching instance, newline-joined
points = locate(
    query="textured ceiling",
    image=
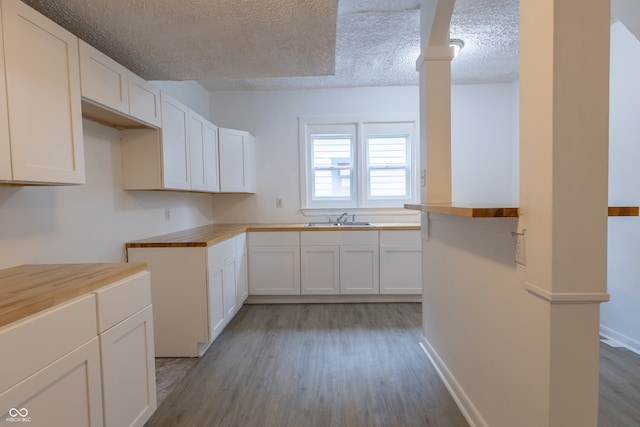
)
(288, 44)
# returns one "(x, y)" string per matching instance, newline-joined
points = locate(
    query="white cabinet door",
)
(242, 291)
(216, 300)
(128, 371)
(274, 270)
(237, 161)
(320, 270)
(359, 271)
(400, 262)
(175, 145)
(203, 152)
(144, 100)
(210, 154)
(43, 97)
(103, 80)
(230, 292)
(65, 392)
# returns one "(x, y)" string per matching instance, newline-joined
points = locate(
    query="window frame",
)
(362, 128)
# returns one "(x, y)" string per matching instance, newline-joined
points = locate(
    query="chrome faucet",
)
(342, 218)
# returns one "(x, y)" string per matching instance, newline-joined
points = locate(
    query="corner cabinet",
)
(40, 84)
(237, 161)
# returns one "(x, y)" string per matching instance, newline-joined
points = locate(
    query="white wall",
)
(484, 148)
(621, 316)
(90, 222)
(190, 93)
(272, 117)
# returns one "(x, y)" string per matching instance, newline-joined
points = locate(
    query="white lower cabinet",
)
(339, 262)
(359, 269)
(353, 262)
(85, 362)
(320, 270)
(274, 263)
(66, 392)
(194, 294)
(125, 324)
(400, 262)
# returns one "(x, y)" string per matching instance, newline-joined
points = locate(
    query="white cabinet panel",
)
(203, 151)
(359, 270)
(43, 86)
(242, 291)
(103, 80)
(237, 161)
(320, 270)
(216, 300)
(274, 270)
(34, 353)
(230, 288)
(128, 371)
(66, 392)
(175, 145)
(144, 100)
(400, 262)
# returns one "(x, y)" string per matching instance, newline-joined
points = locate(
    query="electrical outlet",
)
(521, 250)
(167, 214)
(278, 203)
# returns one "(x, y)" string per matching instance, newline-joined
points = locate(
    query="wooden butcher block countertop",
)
(209, 235)
(31, 288)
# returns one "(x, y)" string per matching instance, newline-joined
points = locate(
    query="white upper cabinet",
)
(109, 85)
(175, 144)
(103, 80)
(5, 147)
(144, 100)
(237, 161)
(203, 152)
(41, 72)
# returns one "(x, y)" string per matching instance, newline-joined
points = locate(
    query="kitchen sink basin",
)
(338, 224)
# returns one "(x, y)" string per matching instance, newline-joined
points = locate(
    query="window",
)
(359, 164)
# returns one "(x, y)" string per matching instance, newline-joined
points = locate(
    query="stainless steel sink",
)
(338, 224)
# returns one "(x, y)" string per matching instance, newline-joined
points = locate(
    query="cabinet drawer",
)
(31, 344)
(400, 237)
(120, 300)
(221, 251)
(280, 238)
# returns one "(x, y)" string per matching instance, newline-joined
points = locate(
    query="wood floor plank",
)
(314, 365)
(619, 387)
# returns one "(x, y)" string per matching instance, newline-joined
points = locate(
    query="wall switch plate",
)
(278, 203)
(521, 250)
(167, 214)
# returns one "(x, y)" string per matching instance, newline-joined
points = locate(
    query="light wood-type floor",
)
(343, 365)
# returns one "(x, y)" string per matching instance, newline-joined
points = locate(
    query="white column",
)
(435, 109)
(564, 75)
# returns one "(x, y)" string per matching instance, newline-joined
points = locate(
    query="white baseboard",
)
(468, 409)
(625, 341)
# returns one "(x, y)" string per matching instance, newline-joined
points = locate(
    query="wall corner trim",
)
(567, 297)
(466, 406)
